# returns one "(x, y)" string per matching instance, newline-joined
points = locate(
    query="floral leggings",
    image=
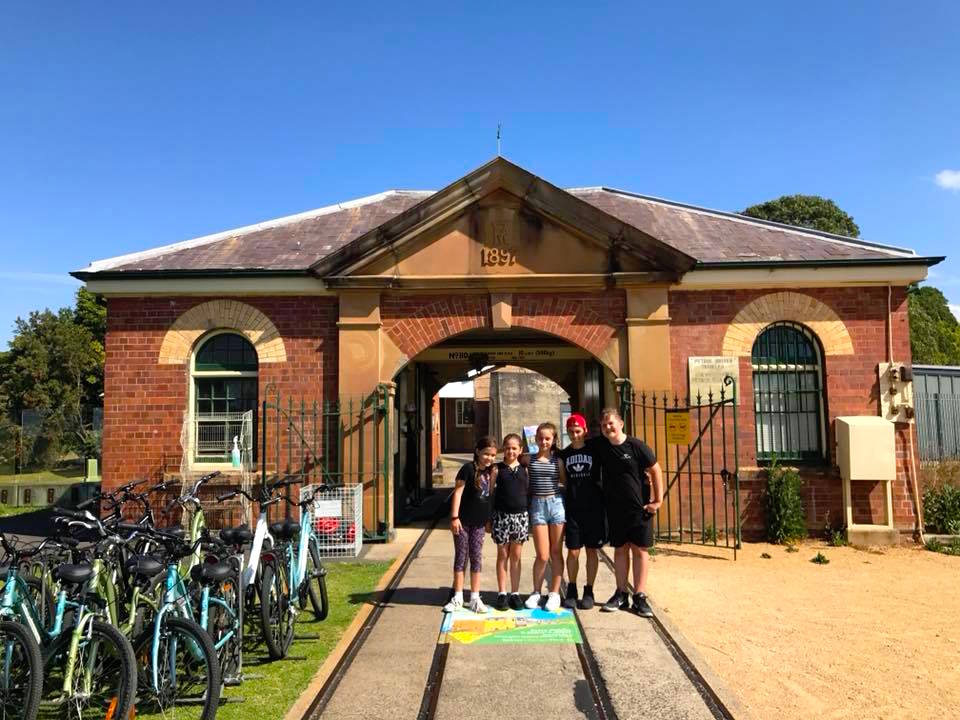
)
(469, 541)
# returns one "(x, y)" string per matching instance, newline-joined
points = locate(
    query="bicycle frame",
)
(298, 558)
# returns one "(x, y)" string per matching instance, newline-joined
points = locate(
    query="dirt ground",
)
(873, 634)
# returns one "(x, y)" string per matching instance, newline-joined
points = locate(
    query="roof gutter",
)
(202, 273)
(845, 262)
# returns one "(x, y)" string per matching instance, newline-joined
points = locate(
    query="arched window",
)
(224, 389)
(788, 393)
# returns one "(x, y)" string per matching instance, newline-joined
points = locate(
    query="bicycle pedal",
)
(232, 681)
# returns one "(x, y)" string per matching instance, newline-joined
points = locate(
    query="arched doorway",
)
(472, 355)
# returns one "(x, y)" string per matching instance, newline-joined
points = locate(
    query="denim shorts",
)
(547, 510)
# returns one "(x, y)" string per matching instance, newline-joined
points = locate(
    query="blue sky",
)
(130, 125)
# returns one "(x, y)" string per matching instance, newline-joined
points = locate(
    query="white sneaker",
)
(456, 603)
(533, 602)
(476, 604)
(553, 602)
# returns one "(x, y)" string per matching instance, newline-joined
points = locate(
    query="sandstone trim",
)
(224, 314)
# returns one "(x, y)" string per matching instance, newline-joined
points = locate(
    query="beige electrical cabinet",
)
(867, 451)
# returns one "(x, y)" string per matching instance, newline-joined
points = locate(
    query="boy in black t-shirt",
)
(586, 526)
(632, 501)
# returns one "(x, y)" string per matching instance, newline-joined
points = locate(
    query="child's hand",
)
(455, 526)
(652, 507)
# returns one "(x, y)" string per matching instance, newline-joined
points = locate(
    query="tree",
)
(55, 366)
(934, 331)
(811, 211)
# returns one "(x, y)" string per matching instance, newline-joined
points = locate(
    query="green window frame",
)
(788, 399)
(225, 385)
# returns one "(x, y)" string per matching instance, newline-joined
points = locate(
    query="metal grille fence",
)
(695, 440)
(337, 519)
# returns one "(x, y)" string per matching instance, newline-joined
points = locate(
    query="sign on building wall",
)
(706, 376)
(678, 427)
(489, 355)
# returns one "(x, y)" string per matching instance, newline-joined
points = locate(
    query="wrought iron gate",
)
(340, 442)
(695, 440)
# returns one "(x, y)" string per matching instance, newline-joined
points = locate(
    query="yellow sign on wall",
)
(678, 427)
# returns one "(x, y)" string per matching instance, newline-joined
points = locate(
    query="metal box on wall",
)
(866, 448)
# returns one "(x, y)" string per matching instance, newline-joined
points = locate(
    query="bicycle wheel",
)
(316, 583)
(104, 678)
(225, 628)
(188, 672)
(276, 610)
(21, 672)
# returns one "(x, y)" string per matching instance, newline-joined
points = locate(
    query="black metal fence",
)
(340, 442)
(695, 440)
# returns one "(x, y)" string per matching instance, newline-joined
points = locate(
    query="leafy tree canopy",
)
(811, 211)
(934, 331)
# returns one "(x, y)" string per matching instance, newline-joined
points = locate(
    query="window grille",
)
(225, 387)
(788, 393)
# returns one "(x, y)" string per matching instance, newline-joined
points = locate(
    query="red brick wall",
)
(145, 401)
(699, 321)
(415, 322)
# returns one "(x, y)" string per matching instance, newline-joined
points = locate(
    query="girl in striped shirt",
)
(547, 517)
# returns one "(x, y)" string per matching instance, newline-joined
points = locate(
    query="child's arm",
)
(455, 526)
(562, 473)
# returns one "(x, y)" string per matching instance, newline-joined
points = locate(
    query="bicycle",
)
(95, 660)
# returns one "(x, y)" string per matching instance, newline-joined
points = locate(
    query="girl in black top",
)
(469, 514)
(511, 522)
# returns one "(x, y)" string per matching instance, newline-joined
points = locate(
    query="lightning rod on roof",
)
(499, 126)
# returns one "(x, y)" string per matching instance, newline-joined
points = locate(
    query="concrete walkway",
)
(388, 676)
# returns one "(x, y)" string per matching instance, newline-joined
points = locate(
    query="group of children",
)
(607, 487)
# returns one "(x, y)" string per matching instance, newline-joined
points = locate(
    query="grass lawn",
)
(68, 473)
(349, 585)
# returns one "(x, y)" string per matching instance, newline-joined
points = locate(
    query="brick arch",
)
(589, 321)
(245, 319)
(796, 307)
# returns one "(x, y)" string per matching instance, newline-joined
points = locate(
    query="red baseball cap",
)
(578, 420)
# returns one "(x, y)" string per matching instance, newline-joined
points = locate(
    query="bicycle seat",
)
(144, 566)
(175, 531)
(73, 573)
(211, 573)
(286, 530)
(236, 536)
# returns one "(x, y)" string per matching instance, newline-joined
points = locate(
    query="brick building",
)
(600, 290)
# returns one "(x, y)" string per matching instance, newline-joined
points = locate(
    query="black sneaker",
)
(587, 601)
(515, 602)
(570, 601)
(618, 601)
(640, 605)
(501, 601)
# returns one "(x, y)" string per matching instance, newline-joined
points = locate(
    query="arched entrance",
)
(472, 355)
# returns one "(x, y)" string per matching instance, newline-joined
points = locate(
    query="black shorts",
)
(586, 529)
(636, 529)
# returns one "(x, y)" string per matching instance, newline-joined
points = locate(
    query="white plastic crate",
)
(338, 519)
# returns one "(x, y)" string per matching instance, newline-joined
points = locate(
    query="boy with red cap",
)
(586, 524)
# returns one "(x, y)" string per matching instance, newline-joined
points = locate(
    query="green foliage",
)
(934, 331)
(709, 533)
(951, 548)
(766, 556)
(54, 366)
(792, 549)
(786, 519)
(838, 538)
(820, 559)
(941, 509)
(810, 211)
